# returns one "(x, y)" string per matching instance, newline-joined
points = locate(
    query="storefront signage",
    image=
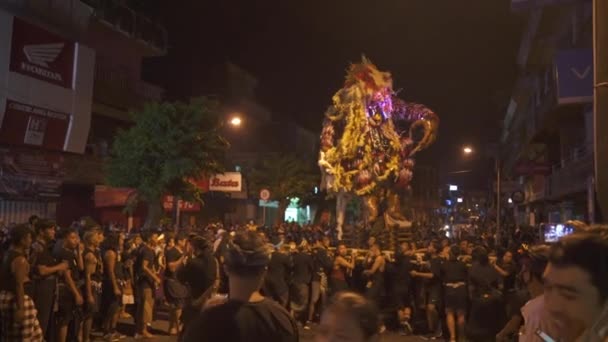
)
(168, 205)
(24, 124)
(38, 53)
(226, 182)
(574, 76)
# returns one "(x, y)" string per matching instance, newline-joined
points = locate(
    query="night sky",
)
(457, 57)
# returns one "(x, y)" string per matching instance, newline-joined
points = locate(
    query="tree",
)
(286, 177)
(169, 145)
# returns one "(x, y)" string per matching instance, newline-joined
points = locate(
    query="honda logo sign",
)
(38, 53)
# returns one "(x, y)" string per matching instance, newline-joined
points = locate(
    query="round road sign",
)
(265, 194)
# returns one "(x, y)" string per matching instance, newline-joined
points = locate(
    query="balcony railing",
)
(75, 15)
(131, 23)
(70, 17)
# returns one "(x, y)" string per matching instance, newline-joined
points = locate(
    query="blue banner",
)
(574, 76)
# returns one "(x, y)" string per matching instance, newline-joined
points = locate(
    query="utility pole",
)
(600, 102)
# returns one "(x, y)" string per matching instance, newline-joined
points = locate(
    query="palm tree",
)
(286, 177)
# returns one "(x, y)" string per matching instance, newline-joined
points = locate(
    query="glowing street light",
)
(467, 150)
(236, 121)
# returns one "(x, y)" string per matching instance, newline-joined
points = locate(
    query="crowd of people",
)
(242, 283)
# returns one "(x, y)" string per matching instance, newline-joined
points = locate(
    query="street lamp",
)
(468, 150)
(236, 121)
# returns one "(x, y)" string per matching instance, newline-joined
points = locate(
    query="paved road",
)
(159, 328)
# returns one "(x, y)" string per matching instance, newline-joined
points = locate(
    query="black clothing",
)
(487, 313)
(69, 256)
(454, 276)
(96, 276)
(432, 287)
(275, 283)
(68, 310)
(45, 287)
(402, 280)
(509, 280)
(90, 309)
(322, 263)
(9, 281)
(403, 267)
(199, 273)
(484, 279)
(145, 254)
(375, 282)
(454, 271)
(171, 255)
(238, 321)
(41, 255)
(303, 267)
(175, 292)
(110, 301)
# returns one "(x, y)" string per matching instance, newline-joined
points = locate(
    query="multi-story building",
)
(259, 136)
(547, 137)
(70, 71)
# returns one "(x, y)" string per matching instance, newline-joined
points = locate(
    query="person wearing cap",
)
(245, 315)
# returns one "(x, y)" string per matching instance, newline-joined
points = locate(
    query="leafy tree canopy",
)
(169, 144)
(285, 176)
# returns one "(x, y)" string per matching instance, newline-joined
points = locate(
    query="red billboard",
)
(38, 53)
(24, 124)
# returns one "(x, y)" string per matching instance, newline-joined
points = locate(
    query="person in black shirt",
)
(454, 275)
(375, 266)
(246, 315)
(175, 291)
(70, 298)
(322, 265)
(432, 289)
(486, 315)
(276, 279)
(303, 268)
(45, 272)
(201, 274)
(17, 311)
(113, 282)
(507, 269)
(93, 276)
(147, 281)
(401, 286)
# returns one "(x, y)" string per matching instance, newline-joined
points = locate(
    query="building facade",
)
(71, 71)
(547, 141)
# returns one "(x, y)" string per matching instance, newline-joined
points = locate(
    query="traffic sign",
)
(265, 194)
